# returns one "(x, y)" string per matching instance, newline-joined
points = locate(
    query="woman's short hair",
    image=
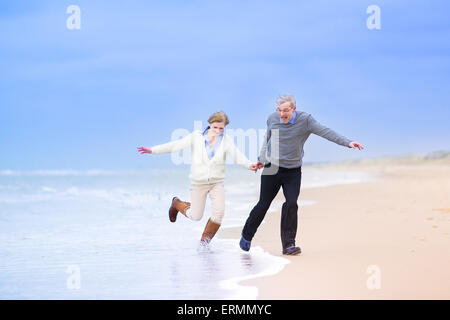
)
(219, 116)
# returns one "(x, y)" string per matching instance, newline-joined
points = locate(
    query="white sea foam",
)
(313, 178)
(273, 265)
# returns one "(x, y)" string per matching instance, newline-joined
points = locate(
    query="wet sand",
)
(387, 239)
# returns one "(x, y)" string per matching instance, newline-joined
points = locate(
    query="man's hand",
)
(143, 150)
(256, 166)
(355, 145)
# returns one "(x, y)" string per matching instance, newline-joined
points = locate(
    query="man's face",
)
(285, 111)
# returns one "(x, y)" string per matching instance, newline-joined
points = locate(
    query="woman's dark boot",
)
(177, 206)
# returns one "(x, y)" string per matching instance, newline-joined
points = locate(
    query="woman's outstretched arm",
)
(239, 158)
(172, 146)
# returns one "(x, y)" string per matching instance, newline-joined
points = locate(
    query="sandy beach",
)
(386, 239)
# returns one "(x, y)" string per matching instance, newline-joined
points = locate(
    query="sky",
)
(133, 74)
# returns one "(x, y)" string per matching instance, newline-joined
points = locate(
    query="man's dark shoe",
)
(244, 244)
(292, 250)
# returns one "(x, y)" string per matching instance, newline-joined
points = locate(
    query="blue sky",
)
(85, 99)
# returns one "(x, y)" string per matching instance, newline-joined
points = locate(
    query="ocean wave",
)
(119, 196)
(93, 172)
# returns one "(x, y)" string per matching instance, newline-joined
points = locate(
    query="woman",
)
(209, 151)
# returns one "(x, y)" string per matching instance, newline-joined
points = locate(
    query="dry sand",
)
(387, 239)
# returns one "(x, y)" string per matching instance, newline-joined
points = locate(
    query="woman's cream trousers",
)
(216, 193)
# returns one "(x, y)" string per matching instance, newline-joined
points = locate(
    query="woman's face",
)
(216, 128)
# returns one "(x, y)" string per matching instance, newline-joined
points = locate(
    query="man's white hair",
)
(285, 98)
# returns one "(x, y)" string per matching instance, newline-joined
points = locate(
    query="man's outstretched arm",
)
(325, 132)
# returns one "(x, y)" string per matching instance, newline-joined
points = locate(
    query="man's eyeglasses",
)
(284, 110)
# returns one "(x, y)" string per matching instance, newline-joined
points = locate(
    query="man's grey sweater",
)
(283, 143)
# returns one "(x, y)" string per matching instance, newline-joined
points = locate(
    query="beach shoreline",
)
(382, 239)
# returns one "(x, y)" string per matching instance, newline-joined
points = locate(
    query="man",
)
(281, 156)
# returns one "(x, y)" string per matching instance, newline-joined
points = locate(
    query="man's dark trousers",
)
(290, 181)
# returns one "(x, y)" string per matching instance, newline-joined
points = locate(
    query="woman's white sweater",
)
(203, 169)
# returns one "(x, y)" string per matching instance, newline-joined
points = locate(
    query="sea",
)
(103, 234)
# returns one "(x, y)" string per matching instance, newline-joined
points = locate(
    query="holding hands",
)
(258, 165)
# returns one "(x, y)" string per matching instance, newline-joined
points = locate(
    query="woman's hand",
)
(254, 167)
(143, 150)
